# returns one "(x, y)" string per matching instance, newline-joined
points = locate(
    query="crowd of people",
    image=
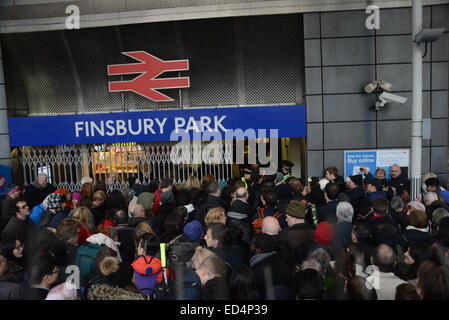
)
(270, 237)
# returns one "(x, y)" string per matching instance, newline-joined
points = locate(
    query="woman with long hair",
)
(84, 217)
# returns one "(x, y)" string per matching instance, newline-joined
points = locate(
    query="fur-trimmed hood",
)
(105, 292)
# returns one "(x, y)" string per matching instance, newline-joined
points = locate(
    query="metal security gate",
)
(115, 163)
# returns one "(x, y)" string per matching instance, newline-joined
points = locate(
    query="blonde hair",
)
(100, 195)
(141, 229)
(200, 255)
(215, 215)
(215, 266)
(428, 176)
(82, 215)
(193, 183)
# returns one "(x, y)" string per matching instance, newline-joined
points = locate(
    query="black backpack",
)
(178, 254)
(167, 291)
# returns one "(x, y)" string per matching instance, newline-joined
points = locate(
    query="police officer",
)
(247, 178)
(287, 171)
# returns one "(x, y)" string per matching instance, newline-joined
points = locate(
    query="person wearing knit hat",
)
(354, 190)
(296, 209)
(68, 201)
(416, 205)
(12, 191)
(357, 179)
(193, 230)
(324, 233)
(167, 197)
(76, 199)
(86, 180)
(55, 211)
(298, 231)
(146, 199)
(7, 209)
(54, 202)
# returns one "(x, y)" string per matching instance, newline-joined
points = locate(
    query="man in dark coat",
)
(138, 216)
(20, 227)
(328, 211)
(381, 216)
(267, 258)
(238, 215)
(355, 190)
(38, 190)
(43, 274)
(298, 230)
(8, 208)
(213, 200)
(397, 180)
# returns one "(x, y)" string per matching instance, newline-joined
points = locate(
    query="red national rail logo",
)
(150, 67)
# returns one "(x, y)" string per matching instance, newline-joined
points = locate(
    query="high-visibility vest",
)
(246, 185)
(287, 176)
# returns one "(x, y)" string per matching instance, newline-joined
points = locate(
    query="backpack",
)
(257, 224)
(86, 256)
(164, 291)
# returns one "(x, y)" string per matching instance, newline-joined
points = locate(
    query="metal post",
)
(5, 149)
(416, 143)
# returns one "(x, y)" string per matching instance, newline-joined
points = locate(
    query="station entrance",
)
(114, 163)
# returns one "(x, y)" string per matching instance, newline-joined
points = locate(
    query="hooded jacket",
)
(37, 213)
(148, 273)
(238, 217)
(273, 262)
(418, 236)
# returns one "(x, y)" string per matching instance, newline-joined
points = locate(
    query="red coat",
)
(157, 201)
(84, 234)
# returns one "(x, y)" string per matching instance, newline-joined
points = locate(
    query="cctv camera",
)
(370, 87)
(386, 86)
(428, 35)
(389, 97)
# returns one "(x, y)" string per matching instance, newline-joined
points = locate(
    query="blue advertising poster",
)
(373, 159)
(5, 179)
(354, 160)
(162, 125)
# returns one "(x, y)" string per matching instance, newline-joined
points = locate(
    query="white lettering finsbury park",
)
(146, 126)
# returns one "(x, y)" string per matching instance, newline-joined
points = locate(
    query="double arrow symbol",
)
(150, 67)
